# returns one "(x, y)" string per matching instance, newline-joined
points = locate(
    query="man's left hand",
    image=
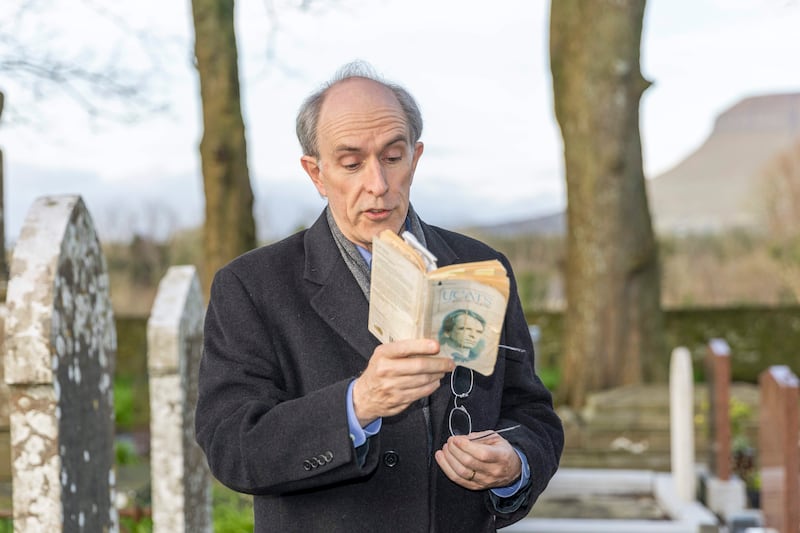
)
(479, 464)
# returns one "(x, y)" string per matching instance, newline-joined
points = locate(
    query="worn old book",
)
(461, 305)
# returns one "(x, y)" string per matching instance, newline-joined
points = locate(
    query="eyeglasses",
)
(461, 381)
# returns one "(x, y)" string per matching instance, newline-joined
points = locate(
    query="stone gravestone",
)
(60, 343)
(718, 366)
(681, 415)
(180, 479)
(778, 453)
(725, 495)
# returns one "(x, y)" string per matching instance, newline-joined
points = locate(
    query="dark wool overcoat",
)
(285, 333)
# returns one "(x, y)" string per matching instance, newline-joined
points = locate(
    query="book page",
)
(490, 272)
(395, 301)
(466, 317)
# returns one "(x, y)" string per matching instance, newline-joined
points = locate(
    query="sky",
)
(478, 69)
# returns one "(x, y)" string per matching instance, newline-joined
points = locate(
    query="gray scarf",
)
(353, 258)
(358, 266)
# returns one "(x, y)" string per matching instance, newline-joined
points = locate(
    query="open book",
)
(462, 305)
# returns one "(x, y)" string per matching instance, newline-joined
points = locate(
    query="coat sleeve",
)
(526, 401)
(258, 438)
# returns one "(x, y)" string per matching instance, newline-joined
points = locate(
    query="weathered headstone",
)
(60, 344)
(725, 495)
(681, 414)
(719, 376)
(778, 453)
(180, 480)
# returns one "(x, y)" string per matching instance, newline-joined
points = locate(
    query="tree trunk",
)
(229, 224)
(613, 322)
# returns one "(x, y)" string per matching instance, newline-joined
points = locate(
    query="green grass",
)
(233, 512)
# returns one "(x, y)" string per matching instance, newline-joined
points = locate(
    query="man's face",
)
(366, 163)
(467, 331)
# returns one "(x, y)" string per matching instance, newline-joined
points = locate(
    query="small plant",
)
(743, 453)
(125, 452)
(134, 525)
(123, 403)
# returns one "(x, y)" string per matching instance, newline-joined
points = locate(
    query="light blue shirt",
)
(360, 435)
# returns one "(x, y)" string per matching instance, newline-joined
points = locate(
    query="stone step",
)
(616, 459)
(629, 427)
(654, 399)
(628, 439)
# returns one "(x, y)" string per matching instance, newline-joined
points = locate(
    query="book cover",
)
(462, 305)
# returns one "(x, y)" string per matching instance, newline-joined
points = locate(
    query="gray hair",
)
(308, 115)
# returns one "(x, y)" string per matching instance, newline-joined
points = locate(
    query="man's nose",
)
(375, 178)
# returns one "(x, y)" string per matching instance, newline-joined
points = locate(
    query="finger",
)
(410, 358)
(467, 451)
(493, 458)
(486, 455)
(389, 384)
(409, 347)
(455, 471)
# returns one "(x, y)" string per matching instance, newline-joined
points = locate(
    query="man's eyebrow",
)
(399, 138)
(354, 149)
(346, 148)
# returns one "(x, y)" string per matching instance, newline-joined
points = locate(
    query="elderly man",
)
(300, 405)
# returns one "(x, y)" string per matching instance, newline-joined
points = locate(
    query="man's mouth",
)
(377, 214)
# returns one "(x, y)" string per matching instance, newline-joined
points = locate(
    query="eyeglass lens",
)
(461, 381)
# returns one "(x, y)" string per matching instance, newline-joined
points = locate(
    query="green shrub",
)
(125, 453)
(233, 512)
(124, 412)
(550, 376)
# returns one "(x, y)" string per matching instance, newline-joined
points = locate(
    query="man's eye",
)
(393, 159)
(351, 166)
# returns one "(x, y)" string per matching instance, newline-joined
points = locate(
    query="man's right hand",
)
(398, 374)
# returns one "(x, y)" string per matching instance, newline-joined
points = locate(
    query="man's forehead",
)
(357, 96)
(359, 89)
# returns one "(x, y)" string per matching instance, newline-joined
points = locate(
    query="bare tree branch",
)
(91, 76)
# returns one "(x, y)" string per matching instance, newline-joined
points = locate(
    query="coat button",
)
(391, 458)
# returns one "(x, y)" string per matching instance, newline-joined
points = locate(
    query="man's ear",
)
(418, 149)
(312, 168)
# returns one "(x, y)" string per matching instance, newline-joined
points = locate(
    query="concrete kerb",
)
(689, 517)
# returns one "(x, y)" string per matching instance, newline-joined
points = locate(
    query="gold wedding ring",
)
(472, 476)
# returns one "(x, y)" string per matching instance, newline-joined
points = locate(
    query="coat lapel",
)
(339, 300)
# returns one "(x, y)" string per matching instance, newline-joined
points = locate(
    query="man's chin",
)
(376, 228)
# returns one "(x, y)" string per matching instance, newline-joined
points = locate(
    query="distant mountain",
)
(553, 224)
(718, 186)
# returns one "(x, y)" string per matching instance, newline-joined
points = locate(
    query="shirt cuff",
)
(358, 434)
(507, 492)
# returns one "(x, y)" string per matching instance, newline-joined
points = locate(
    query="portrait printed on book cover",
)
(461, 334)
